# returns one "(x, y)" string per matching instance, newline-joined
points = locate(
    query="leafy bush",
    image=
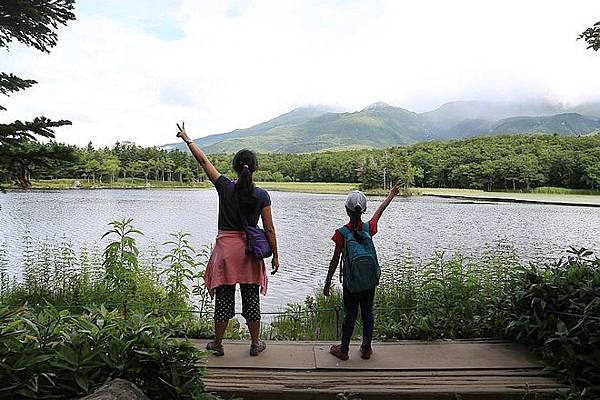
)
(53, 354)
(556, 311)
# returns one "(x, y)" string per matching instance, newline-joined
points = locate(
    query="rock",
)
(148, 185)
(76, 185)
(118, 389)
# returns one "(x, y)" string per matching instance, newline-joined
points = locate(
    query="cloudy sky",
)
(129, 69)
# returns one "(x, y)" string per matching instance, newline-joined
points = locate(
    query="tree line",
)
(515, 162)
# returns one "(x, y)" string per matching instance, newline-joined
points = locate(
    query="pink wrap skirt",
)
(229, 264)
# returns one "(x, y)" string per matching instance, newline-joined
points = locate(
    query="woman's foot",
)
(216, 348)
(256, 349)
(365, 353)
(336, 350)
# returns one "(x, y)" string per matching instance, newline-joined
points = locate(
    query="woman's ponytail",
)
(244, 164)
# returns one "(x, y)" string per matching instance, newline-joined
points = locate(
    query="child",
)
(360, 270)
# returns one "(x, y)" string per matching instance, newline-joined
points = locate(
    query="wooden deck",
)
(411, 370)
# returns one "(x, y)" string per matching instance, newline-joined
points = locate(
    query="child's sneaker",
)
(336, 350)
(365, 354)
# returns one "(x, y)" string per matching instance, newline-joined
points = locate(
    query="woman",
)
(240, 203)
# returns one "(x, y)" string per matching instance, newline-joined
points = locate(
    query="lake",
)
(304, 222)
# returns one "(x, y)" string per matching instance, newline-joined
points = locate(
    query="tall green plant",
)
(180, 267)
(202, 297)
(121, 264)
(28, 262)
(4, 280)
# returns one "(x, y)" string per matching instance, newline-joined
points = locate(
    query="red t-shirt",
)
(339, 239)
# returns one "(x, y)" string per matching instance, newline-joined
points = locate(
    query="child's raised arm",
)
(335, 260)
(207, 166)
(393, 192)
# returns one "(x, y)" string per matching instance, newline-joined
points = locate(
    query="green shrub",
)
(52, 354)
(556, 311)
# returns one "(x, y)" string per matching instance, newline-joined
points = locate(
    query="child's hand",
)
(327, 289)
(396, 188)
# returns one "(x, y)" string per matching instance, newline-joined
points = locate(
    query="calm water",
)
(305, 223)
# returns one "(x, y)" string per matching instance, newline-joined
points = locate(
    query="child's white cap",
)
(356, 198)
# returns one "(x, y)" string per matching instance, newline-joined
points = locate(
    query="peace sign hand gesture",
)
(396, 188)
(182, 133)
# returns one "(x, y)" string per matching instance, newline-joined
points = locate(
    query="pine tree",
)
(592, 36)
(33, 23)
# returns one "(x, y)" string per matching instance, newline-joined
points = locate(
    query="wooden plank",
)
(433, 356)
(276, 356)
(409, 370)
(531, 372)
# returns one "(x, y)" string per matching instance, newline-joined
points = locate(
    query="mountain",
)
(374, 126)
(491, 111)
(567, 124)
(296, 116)
(309, 129)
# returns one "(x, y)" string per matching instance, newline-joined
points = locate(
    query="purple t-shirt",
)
(229, 218)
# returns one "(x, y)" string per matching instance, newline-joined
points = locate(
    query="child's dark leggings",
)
(351, 303)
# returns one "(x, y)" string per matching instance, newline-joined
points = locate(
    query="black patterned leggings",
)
(225, 302)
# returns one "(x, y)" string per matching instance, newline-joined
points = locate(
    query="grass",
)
(164, 281)
(320, 187)
(543, 190)
(128, 183)
(440, 298)
(559, 190)
(310, 187)
(541, 193)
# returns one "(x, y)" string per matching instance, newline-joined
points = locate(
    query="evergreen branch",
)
(34, 22)
(592, 36)
(41, 126)
(11, 83)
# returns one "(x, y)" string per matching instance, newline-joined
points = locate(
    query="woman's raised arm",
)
(207, 166)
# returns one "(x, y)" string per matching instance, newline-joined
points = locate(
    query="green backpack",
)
(361, 269)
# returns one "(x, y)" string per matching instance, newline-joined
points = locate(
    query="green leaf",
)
(561, 328)
(82, 381)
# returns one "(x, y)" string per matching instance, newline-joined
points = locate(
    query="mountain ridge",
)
(318, 128)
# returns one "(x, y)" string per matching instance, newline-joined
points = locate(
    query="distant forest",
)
(514, 162)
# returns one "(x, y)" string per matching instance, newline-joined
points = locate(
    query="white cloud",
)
(237, 63)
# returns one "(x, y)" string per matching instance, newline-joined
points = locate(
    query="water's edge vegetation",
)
(80, 306)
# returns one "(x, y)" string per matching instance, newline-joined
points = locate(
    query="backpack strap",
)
(366, 228)
(344, 231)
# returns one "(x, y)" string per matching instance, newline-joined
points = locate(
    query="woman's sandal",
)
(256, 349)
(217, 349)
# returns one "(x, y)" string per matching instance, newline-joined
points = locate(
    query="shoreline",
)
(568, 198)
(497, 199)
